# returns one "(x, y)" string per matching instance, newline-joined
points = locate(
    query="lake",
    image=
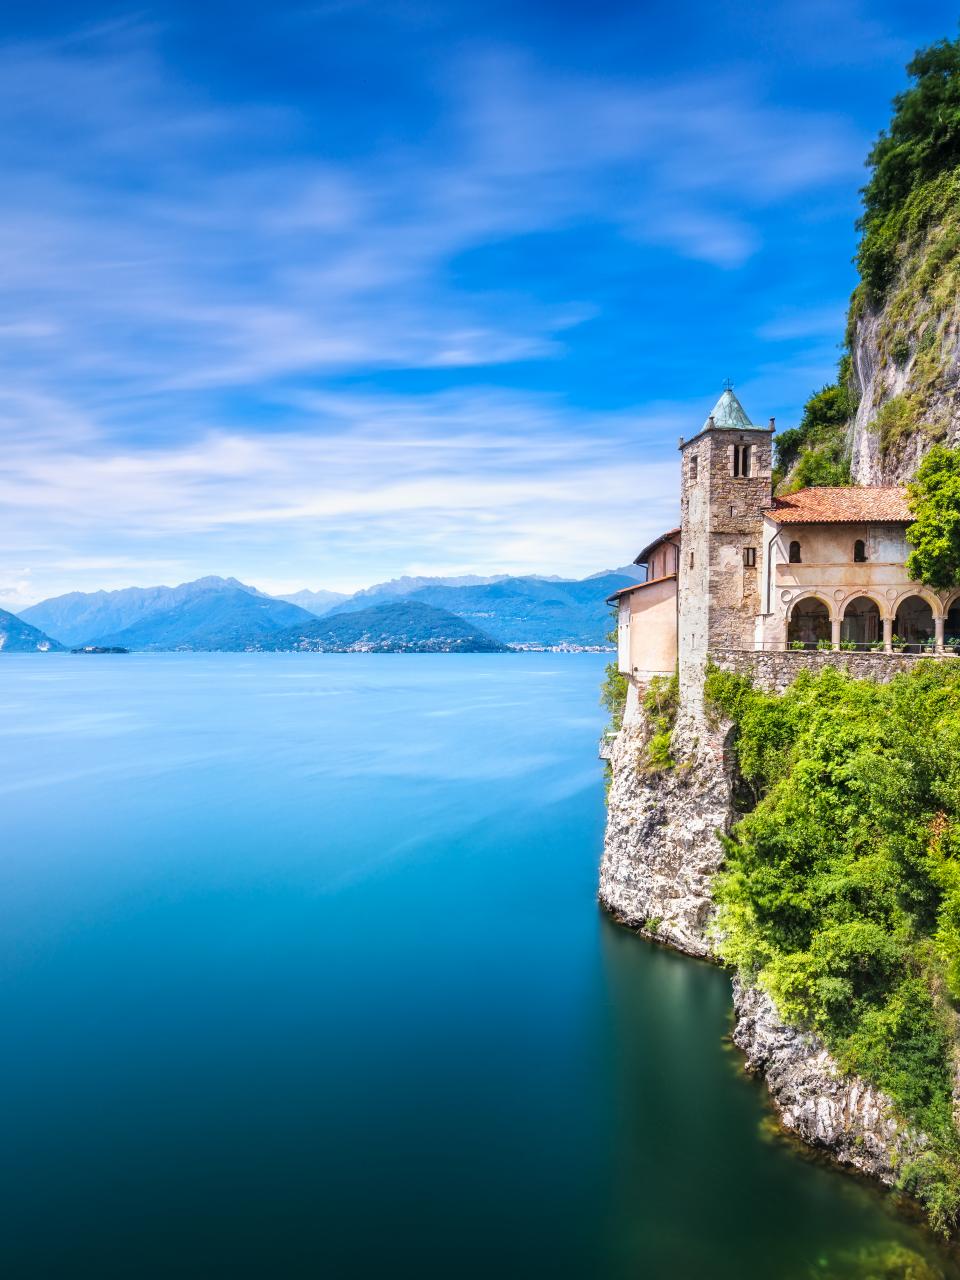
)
(303, 975)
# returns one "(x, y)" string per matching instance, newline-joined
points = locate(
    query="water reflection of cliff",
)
(700, 1188)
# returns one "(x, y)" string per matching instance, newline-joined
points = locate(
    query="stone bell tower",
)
(725, 490)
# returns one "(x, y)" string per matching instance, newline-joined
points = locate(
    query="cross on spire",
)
(727, 384)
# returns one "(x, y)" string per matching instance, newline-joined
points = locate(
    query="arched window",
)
(859, 551)
(742, 460)
(794, 552)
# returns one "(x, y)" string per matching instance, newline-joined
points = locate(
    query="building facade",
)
(821, 569)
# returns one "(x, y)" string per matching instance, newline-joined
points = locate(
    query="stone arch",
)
(923, 593)
(813, 593)
(914, 621)
(810, 619)
(862, 621)
(885, 607)
(951, 617)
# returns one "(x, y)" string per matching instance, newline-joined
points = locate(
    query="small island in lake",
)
(100, 648)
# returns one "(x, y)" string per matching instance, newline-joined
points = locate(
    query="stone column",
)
(835, 633)
(938, 633)
(888, 635)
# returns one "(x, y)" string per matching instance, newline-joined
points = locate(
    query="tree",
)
(906, 192)
(924, 135)
(934, 535)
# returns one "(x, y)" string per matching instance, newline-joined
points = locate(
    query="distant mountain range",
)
(318, 602)
(17, 636)
(400, 626)
(215, 618)
(84, 617)
(455, 613)
(519, 611)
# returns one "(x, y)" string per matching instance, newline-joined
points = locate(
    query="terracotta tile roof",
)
(852, 505)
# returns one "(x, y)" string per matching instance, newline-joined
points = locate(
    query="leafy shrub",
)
(923, 142)
(895, 421)
(660, 702)
(841, 890)
(900, 349)
(613, 694)
(934, 535)
(817, 447)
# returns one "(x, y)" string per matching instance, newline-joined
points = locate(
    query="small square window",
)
(749, 557)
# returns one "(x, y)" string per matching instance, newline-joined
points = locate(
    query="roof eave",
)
(639, 586)
(657, 542)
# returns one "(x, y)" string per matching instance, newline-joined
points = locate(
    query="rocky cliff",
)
(905, 353)
(841, 1115)
(661, 851)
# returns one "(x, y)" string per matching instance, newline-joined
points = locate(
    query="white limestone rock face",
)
(880, 378)
(842, 1115)
(661, 849)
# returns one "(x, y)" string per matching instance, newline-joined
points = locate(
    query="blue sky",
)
(320, 294)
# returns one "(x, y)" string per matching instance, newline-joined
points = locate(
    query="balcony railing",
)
(928, 648)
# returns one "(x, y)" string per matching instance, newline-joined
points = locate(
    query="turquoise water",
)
(303, 975)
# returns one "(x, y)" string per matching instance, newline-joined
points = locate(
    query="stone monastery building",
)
(821, 569)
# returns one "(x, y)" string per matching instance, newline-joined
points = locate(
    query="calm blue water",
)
(303, 975)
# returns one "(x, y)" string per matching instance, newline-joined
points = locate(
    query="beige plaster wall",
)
(828, 571)
(647, 630)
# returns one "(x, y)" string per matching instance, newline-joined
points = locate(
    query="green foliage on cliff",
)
(909, 262)
(613, 691)
(841, 891)
(660, 702)
(935, 533)
(896, 420)
(902, 196)
(613, 694)
(815, 452)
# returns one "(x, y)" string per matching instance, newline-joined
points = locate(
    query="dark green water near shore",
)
(303, 975)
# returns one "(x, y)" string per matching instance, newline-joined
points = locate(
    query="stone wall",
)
(720, 515)
(737, 506)
(774, 671)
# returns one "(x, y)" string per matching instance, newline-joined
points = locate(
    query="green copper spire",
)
(729, 413)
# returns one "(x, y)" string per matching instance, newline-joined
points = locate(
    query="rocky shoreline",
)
(661, 851)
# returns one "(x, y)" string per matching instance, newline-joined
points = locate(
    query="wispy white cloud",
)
(149, 236)
(156, 248)
(477, 481)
